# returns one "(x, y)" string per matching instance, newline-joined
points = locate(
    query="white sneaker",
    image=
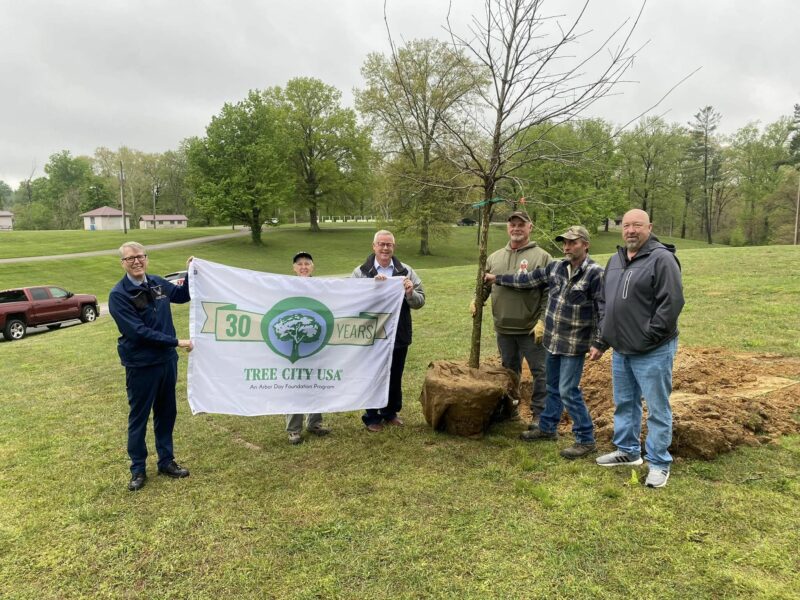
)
(656, 477)
(618, 458)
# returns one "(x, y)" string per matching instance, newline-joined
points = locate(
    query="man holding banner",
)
(140, 306)
(303, 266)
(382, 265)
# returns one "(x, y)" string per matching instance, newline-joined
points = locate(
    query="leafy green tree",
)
(71, 187)
(755, 156)
(580, 187)
(240, 169)
(298, 329)
(407, 97)
(650, 156)
(328, 151)
(6, 194)
(704, 149)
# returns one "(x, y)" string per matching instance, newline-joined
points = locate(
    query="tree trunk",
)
(313, 220)
(687, 201)
(255, 226)
(424, 237)
(483, 243)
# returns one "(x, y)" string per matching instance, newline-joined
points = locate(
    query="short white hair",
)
(136, 246)
(382, 232)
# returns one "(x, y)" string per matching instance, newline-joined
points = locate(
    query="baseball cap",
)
(519, 214)
(300, 255)
(576, 232)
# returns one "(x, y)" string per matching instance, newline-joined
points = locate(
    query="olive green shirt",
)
(516, 311)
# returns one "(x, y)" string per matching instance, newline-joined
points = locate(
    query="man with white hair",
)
(140, 305)
(382, 264)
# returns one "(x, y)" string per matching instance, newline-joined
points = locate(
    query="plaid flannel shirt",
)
(570, 322)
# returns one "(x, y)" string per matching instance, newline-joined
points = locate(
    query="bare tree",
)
(534, 80)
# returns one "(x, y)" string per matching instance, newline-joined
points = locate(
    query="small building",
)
(163, 221)
(6, 220)
(105, 218)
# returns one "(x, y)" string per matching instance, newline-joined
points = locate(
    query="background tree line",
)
(417, 159)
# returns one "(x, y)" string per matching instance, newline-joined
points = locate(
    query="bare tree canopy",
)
(539, 73)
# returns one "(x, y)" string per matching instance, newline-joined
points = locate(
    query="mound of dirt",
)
(720, 400)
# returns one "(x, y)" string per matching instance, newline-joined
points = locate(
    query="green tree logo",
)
(297, 328)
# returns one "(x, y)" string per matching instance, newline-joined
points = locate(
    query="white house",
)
(6, 220)
(104, 218)
(163, 221)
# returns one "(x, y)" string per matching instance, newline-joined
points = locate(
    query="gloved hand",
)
(538, 332)
(472, 308)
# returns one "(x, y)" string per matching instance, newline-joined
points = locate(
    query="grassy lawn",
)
(404, 514)
(14, 244)
(337, 249)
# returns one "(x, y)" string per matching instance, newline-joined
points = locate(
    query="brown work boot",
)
(578, 450)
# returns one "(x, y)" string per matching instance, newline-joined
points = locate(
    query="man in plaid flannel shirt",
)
(570, 329)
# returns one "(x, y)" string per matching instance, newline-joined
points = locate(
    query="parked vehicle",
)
(49, 305)
(466, 222)
(178, 277)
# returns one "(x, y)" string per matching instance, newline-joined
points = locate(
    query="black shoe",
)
(137, 481)
(174, 470)
(536, 434)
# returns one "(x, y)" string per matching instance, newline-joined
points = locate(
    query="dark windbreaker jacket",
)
(641, 298)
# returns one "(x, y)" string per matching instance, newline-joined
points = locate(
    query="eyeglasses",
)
(132, 259)
(384, 244)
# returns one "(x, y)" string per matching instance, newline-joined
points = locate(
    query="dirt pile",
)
(720, 400)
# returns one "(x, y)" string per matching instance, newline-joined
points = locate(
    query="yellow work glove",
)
(538, 332)
(472, 308)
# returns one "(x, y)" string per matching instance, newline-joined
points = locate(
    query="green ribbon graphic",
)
(229, 324)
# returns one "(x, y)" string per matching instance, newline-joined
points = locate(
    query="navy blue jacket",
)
(144, 319)
(641, 298)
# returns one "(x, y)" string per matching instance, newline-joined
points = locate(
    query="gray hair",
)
(382, 232)
(136, 246)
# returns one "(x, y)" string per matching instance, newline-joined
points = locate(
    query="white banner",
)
(268, 344)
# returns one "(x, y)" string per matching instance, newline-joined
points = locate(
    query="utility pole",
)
(155, 196)
(797, 210)
(122, 197)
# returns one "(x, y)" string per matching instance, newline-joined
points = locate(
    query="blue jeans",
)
(563, 378)
(647, 376)
(512, 350)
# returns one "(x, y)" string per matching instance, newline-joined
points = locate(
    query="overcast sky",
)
(80, 74)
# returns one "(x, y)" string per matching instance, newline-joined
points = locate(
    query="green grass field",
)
(14, 244)
(337, 249)
(404, 514)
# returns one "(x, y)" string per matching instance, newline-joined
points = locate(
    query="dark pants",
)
(395, 404)
(512, 350)
(151, 388)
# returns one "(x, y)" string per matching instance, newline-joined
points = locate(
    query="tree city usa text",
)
(292, 374)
